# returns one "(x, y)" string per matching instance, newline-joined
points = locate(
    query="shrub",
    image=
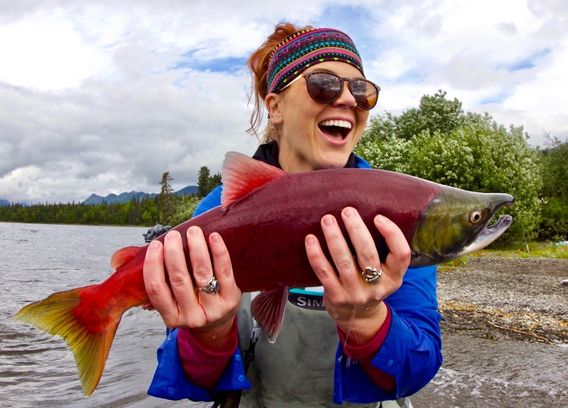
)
(478, 155)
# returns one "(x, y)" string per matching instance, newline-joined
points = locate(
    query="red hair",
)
(258, 64)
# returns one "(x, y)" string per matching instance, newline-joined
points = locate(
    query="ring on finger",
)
(212, 287)
(372, 275)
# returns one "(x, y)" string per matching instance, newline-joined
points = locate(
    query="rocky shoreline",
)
(497, 297)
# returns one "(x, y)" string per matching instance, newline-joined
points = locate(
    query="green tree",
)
(185, 208)
(203, 181)
(206, 182)
(555, 170)
(554, 165)
(437, 114)
(214, 181)
(434, 114)
(166, 199)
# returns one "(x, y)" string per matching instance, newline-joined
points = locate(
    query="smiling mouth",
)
(337, 129)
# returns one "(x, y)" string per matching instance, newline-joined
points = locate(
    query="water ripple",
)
(39, 370)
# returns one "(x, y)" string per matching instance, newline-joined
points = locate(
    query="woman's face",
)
(314, 135)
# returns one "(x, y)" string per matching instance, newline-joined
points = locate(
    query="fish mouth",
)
(491, 231)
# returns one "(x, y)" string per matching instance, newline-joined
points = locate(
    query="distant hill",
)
(189, 190)
(133, 195)
(114, 199)
(6, 203)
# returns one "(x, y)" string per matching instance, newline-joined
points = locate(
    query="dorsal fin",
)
(242, 174)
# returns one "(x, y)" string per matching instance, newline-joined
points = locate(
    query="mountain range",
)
(132, 195)
(114, 198)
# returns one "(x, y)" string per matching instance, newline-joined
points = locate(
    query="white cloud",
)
(478, 51)
(543, 95)
(105, 96)
(44, 51)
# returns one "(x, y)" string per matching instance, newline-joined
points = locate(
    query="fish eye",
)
(475, 217)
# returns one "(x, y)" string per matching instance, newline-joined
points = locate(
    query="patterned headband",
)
(305, 48)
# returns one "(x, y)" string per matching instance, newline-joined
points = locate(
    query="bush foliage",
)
(554, 224)
(463, 150)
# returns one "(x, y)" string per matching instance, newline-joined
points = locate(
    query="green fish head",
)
(456, 223)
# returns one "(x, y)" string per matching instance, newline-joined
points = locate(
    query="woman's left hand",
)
(356, 305)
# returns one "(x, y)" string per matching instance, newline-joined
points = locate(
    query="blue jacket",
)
(411, 352)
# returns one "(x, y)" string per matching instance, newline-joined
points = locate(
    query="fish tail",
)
(88, 329)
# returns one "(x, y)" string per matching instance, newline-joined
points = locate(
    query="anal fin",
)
(123, 255)
(268, 310)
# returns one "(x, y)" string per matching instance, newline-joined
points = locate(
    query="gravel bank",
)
(496, 297)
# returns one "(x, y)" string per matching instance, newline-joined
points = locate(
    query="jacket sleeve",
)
(170, 381)
(411, 352)
(211, 200)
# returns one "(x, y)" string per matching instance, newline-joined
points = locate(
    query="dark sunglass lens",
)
(365, 93)
(324, 87)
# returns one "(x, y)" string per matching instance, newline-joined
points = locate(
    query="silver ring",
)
(213, 286)
(372, 275)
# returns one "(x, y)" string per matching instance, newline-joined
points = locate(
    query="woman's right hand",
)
(173, 293)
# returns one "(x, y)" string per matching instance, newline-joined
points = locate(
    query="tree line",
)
(165, 208)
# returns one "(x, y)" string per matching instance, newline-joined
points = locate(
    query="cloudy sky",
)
(104, 96)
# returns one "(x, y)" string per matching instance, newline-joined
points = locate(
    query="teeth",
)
(338, 123)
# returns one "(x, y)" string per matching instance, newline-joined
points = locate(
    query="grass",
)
(524, 251)
(530, 250)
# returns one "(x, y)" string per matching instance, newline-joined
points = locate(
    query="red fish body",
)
(264, 219)
(266, 235)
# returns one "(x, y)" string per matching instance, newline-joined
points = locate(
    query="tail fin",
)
(63, 314)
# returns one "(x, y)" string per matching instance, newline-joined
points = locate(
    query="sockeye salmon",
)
(264, 218)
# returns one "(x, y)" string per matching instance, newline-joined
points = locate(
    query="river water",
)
(38, 370)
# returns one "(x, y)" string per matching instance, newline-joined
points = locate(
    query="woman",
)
(312, 84)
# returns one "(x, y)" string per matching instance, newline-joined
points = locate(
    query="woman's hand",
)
(357, 306)
(175, 296)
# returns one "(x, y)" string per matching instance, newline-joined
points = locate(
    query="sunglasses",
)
(326, 87)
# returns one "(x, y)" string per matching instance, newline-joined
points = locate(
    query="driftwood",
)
(522, 332)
